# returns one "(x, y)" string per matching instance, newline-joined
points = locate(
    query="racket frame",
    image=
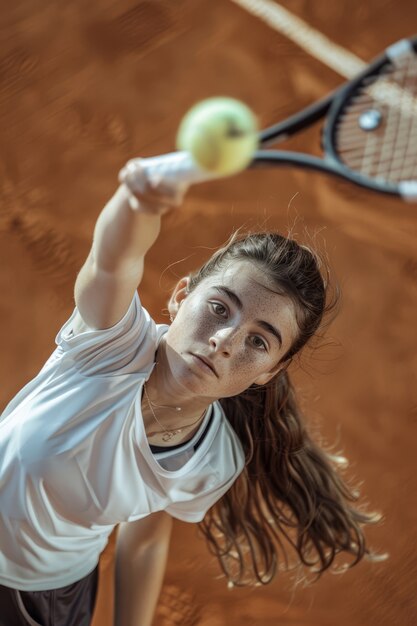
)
(331, 105)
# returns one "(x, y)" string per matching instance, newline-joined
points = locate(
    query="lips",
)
(207, 362)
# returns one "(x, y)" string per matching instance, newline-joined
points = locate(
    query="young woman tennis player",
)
(133, 423)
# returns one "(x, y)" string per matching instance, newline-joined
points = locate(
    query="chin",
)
(189, 378)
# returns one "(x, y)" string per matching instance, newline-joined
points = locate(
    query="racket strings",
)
(376, 133)
(395, 137)
(396, 148)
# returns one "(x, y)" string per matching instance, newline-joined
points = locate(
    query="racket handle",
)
(175, 171)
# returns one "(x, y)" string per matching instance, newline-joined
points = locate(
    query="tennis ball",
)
(220, 134)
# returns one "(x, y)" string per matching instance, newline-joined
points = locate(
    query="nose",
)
(223, 341)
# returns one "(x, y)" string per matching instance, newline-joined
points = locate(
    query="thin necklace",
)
(163, 406)
(168, 434)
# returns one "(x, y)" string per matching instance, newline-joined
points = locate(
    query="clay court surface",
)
(85, 86)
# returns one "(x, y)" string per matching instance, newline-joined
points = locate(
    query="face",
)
(237, 322)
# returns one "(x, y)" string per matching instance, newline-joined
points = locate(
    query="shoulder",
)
(126, 347)
(76, 324)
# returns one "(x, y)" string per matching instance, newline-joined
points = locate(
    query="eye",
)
(260, 343)
(215, 307)
(220, 310)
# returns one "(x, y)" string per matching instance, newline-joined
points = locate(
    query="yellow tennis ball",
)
(220, 134)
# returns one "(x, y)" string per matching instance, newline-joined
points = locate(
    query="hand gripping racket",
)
(369, 136)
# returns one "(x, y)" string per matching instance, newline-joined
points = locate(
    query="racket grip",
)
(175, 171)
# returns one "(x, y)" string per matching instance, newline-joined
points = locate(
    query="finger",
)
(153, 199)
(171, 200)
(135, 177)
(147, 205)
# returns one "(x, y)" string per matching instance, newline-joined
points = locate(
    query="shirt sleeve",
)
(126, 347)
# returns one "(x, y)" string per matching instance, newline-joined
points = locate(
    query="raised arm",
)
(141, 555)
(114, 267)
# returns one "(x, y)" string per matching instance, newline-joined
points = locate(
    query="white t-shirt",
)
(75, 460)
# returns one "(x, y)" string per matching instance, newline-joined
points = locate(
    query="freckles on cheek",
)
(200, 321)
(247, 366)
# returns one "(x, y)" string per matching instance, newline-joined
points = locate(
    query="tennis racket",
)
(369, 135)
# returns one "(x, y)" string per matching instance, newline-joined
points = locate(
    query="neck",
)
(166, 394)
(169, 433)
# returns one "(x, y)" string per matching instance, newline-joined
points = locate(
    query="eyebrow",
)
(238, 303)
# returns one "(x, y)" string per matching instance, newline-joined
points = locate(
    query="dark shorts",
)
(72, 605)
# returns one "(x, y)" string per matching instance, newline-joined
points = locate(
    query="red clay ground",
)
(84, 87)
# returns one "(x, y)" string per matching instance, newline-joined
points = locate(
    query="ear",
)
(178, 295)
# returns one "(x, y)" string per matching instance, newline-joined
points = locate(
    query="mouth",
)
(206, 362)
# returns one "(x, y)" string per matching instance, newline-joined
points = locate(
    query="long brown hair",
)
(290, 492)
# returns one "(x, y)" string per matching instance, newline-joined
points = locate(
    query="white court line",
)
(312, 41)
(329, 53)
